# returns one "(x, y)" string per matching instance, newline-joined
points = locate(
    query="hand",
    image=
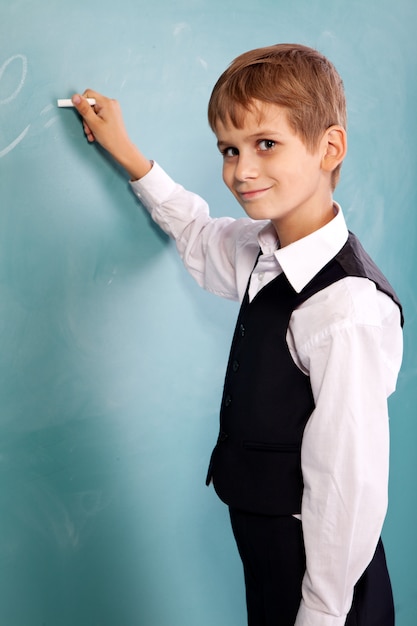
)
(104, 123)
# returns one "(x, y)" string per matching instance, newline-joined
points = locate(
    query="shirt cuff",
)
(310, 617)
(153, 188)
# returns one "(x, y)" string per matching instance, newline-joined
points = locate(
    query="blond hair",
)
(293, 76)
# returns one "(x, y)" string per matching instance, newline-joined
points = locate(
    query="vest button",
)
(223, 436)
(235, 365)
(228, 400)
(242, 330)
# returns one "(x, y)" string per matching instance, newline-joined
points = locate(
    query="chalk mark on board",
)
(22, 78)
(53, 119)
(180, 27)
(12, 96)
(202, 62)
(46, 109)
(14, 143)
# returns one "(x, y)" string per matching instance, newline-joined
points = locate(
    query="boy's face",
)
(273, 176)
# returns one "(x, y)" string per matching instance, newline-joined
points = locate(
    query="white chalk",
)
(67, 102)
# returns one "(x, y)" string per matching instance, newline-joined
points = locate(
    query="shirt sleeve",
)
(218, 252)
(352, 354)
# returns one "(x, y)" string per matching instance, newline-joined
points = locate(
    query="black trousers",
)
(273, 557)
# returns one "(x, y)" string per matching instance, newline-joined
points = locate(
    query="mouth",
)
(252, 194)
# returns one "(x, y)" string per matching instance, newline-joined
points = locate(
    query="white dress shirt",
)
(348, 339)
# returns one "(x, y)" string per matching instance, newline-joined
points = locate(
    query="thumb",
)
(78, 101)
(83, 107)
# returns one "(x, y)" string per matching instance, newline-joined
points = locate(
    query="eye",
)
(230, 151)
(266, 144)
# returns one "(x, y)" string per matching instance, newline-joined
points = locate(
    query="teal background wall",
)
(111, 358)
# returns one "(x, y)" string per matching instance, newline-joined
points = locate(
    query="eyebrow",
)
(261, 134)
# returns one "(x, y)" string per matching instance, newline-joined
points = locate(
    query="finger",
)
(89, 116)
(90, 93)
(88, 132)
(101, 101)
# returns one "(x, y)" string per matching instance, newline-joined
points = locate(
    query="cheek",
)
(227, 176)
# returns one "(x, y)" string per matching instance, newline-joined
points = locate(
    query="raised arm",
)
(104, 123)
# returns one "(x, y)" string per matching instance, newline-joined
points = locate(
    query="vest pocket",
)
(259, 446)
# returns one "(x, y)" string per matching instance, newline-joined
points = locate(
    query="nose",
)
(246, 167)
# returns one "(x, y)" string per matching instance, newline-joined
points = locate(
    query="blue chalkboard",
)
(112, 359)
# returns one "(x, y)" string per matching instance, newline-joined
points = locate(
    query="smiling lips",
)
(252, 194)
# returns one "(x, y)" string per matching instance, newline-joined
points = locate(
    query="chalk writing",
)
(53, 119)
(14, 143)
(23, 71)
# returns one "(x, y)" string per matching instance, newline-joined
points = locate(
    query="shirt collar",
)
(303, 259)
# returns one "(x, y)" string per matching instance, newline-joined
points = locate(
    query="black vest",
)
(267, 400)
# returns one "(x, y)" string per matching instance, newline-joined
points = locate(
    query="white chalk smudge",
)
(46, 109)
(50, 122)
(14, 143)
(180, 27)
(24, 70)
(202, 62)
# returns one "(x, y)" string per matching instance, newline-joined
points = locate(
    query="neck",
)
(292, 230)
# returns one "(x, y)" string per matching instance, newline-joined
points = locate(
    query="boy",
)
(302, 455)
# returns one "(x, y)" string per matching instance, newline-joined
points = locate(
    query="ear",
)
(334, 146)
